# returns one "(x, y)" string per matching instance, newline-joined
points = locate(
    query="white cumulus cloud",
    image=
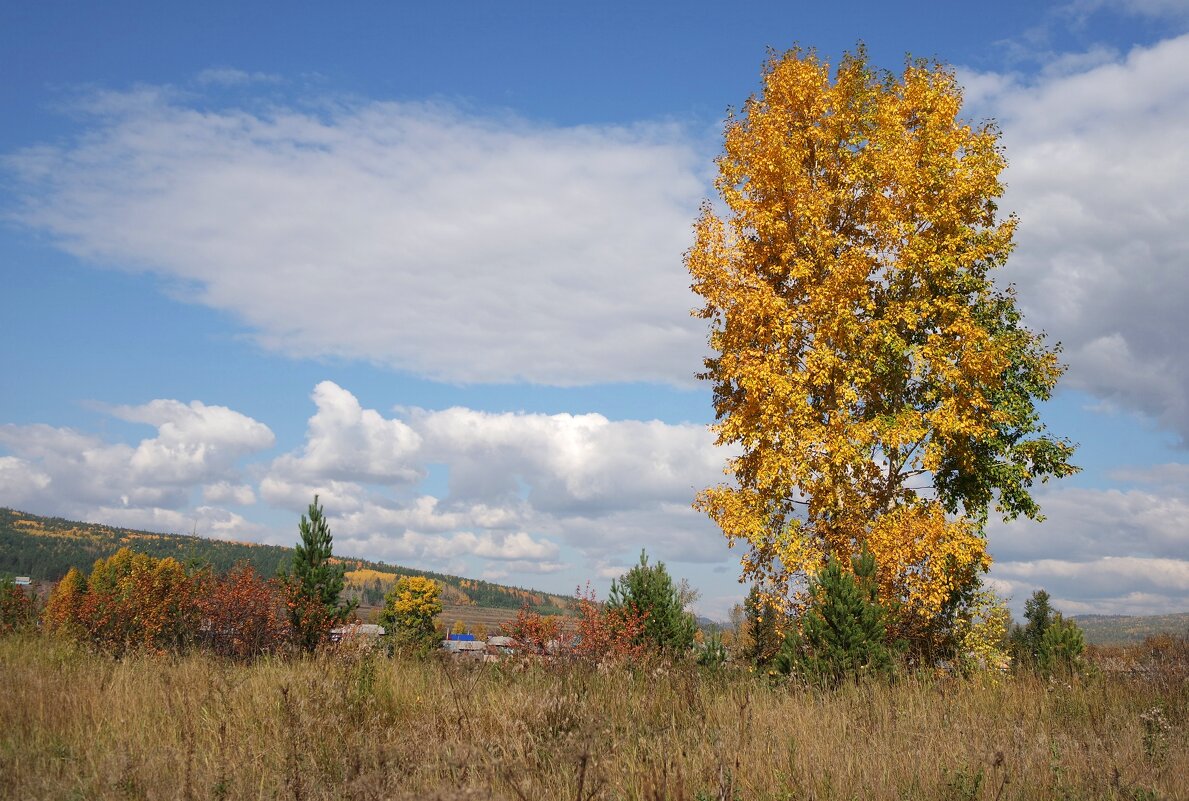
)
(73, 474)
(518, 484)
(1097, 173)
(226, 492)
(346, 442)
(570, 464)
(194, 441)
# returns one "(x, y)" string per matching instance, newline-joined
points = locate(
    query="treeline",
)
(132, 601)
(46, 548)
(844, 633)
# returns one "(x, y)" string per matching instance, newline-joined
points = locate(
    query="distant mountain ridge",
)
(1129, 630)
(45, 548)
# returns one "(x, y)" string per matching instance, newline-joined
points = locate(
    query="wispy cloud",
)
(1112, 551)
(461, 247)
(229, 76)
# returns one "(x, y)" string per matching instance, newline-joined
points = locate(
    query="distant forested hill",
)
(45, 548)
(1127, 630)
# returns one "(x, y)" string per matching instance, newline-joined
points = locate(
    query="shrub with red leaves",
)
(535, 632)
(243, 614)
(614, 634)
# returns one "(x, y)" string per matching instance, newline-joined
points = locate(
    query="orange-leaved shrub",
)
(609, 633)
(63, 609)
(599, 633)
(135, 601)
(535, 632)
(130, 600)
(243, 615)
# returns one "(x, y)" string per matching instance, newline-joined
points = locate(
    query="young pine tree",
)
(315, 583)
(1025, 640)
(1061, 648)
(762, 642)
(843, 630)
(651, 591)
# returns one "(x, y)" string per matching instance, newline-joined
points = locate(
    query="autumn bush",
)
(1166, 649)
(410, 610)
(131, 601)
(18, 608)
(243, 615)
(607, 632)
(599, 633)
(536, 633)
(63, 609)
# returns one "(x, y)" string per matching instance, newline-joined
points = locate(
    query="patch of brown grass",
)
(356, 725)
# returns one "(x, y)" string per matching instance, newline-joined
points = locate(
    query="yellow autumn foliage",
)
(982, 632)
(877, 385)
(362, 576)
(411, 606)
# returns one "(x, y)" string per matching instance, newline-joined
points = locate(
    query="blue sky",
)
(426, 261)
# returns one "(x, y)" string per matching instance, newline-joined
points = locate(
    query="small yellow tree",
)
(880, 388)
(410, 608)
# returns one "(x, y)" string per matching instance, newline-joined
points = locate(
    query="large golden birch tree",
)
(880, 388)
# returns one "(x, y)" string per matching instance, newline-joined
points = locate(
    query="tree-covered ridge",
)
(370, 581)
(45, 548)
(1128, 630)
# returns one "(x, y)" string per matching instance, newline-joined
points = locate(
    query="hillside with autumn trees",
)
(46, 548)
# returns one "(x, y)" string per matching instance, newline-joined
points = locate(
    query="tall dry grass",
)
(76, 725)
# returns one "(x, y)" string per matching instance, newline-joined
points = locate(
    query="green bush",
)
(712, 653)
(1049, 644)
(763, 639)
(1061, 647)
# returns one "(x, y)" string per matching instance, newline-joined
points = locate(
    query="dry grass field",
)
(474, 616)
(76, 725)
(489, 618)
